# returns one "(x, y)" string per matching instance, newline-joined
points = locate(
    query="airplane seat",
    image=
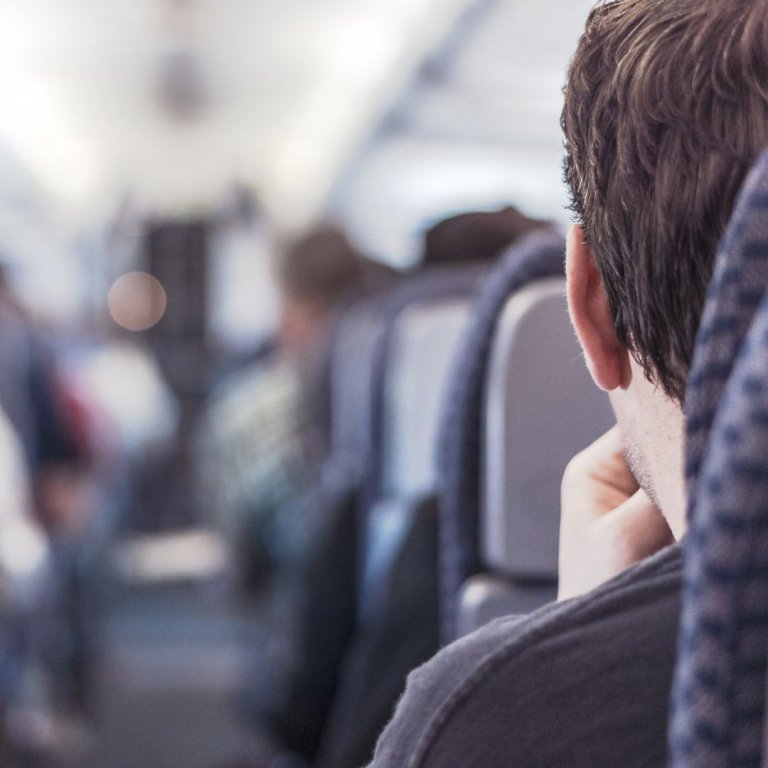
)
(296, 705)
(398, 620)
(333, 377)
(423, 343)
(357, 360)
(541, 408)
(539, 255)
(718, 702)
(432, 284)
(352, 372)
(383, 396)
(342, 690)
(421, 346)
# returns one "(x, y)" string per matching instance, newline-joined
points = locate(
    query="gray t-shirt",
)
(579, 684)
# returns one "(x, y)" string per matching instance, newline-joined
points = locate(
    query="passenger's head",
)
(476, 236)
(666, 108)
(314, 274)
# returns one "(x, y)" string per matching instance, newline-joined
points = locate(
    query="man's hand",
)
(607, 522)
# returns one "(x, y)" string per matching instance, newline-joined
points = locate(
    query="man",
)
(666, 108)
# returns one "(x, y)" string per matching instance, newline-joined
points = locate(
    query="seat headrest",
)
(720, 685)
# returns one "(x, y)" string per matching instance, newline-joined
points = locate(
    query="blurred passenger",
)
(16, 362)
(314, 274)
(475, 236)
(654, 166)
(49, 420)
(318, 275)
(264, 433)
(52, 424)
(23, 548)
(24, 579)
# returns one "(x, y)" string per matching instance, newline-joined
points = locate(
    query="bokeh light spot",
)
(137, 301)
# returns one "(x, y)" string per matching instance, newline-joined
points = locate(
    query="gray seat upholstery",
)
(486, 596)
(541, 409)
(422, 345)
(352, 364)
(432, 285)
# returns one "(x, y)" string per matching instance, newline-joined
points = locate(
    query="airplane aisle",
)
(165, 686)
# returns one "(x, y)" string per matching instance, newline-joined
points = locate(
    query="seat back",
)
(423, 344)
(718, 704)
(396, 617)
(423, 341)
(460, 466)
(542, 407)
(432, 285)
(352, 381)
(380, 390)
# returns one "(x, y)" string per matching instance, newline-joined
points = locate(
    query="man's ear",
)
(607, 359)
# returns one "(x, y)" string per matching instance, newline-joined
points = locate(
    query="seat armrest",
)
(487, 596)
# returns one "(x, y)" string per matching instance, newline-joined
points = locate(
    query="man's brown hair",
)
(666, 108)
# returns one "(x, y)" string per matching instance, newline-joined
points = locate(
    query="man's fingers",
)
(641, 528)
(599, 475)
(607, 522)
